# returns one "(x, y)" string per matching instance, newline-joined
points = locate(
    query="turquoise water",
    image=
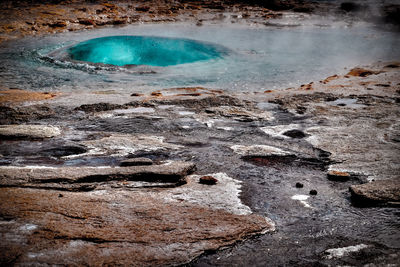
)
(232, 57)
(142, 50)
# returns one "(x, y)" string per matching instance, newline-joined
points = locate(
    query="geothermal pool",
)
(234, 57)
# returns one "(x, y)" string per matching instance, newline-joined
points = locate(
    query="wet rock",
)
(98, 107)
(392, 14)
(204, 102)
(63, 177)
(239, 113)
(377, 192)
(209, 180)
(64, 151)
(17, 95)
(260, 151)
(349, 6)
(116, 228)
(393, 66)
(295, 134)
(299, 185)
(58, 24)
(143, 8)
(338, 176)
(136, 94)
(86, 21)
(136, 162)
(15, 115)
(28, 131)
(360, 72)
(342, 252)
(125, 144)
(313, 192)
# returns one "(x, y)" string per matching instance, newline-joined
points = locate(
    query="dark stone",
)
(295, 134)
(392, 14)
(143, 9)
(338, 176)
(136, 94)
(313, 192)
(86, 22)
(60, 195)
(98, 107)
(209, 180)
(349, 6)
(383, 85)
(136, 162)
(299, 185)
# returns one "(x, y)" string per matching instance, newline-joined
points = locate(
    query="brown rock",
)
(156, 94)
(338, 176)
(360, 72)
(86, 21)
(113, 228)
(58, 24)
(143, 8)
(377, 192)
(17, 95)
(209, 180)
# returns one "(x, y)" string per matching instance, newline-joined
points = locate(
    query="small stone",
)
(60, 195)
(209, 180)
(299, 185)
(136, 162)
(313, 192)
(156, 94)
(136, 94)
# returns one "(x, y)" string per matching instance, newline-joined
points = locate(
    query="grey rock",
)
(28, 131)
(85, 178)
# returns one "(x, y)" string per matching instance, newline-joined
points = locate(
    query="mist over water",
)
(259, 58)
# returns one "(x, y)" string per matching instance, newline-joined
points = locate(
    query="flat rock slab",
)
(260, 151)
(28, 131)
(155, 227)
(377, 192)
(63, 177)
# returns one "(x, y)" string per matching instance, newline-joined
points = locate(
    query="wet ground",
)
(217, 132)
(281, 144)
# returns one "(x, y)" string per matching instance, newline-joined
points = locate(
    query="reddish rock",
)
(209, 180)
(58, 24)
(156, 94)
(360, 72)
(86, 21)
(113, 227)
(143, 9)
(377, 192)
(338, 176)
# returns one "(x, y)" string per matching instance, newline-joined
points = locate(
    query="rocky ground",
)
(198, 176)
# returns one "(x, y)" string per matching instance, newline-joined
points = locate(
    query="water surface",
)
(259, 58)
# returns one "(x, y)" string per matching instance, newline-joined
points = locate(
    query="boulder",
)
(377, 192)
